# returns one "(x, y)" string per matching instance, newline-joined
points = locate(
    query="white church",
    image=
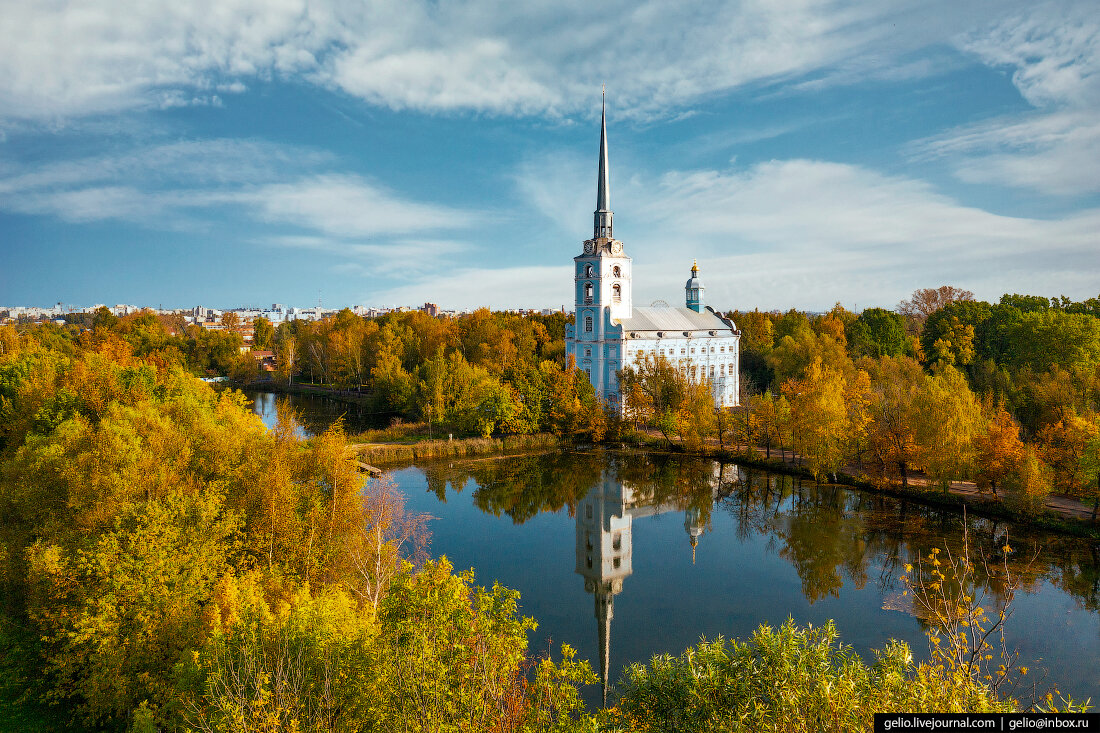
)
(610, 333)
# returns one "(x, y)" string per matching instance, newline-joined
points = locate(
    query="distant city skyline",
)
(408, 151)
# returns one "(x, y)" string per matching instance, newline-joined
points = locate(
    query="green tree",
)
(949, 333)
(877, 333)
(263, 333)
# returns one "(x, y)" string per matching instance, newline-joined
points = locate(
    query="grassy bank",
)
(388, 454)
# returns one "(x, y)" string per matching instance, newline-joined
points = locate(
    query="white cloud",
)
(809, 233)
(64, 58)
(347, 206)
(529, 286)
(417, 258)
(1053, 49)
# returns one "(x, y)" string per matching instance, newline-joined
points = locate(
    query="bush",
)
(787, 679)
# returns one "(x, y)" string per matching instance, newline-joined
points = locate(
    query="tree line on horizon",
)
(1004, 393)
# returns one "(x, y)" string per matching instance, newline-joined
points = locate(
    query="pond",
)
(624, 555)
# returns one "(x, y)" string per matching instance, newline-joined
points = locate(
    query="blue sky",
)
(806, 152)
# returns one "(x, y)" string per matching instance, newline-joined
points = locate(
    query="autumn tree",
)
(947, 426)
(999, 450)
(1062, 445)
(231, 321)
(819, 413)
(895, 384)
(926, 301)
(798, 345)
(1090, 472)
(764, 412)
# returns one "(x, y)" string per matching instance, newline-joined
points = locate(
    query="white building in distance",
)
(609, 333)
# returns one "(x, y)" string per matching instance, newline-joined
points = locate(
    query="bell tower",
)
(601, 277)
(603, 269)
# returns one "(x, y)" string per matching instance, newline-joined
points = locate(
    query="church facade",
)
(610, 333)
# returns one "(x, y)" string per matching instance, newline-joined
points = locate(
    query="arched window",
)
(588, 324)
(588, 270)
(616, 293)
(616, 271)
(588, 293)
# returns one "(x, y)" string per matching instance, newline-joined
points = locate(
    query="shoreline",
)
(393, 455)
(1049, 520)
(1063, 516)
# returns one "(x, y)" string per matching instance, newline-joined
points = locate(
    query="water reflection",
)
(753, 534)
(605, 521)
(315, 414)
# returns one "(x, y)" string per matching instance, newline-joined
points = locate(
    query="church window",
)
(616, 271)
(589, 560)
(617, 542)
(588, 270)
(588, 293)
(616, 293)
(617, 563)
(588, 352)
(722, 349)
(683, 351)
(588, 324)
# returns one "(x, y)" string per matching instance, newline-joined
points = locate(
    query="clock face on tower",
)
(589, 247)
(616, 247)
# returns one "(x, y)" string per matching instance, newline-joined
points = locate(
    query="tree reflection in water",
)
(831, 536)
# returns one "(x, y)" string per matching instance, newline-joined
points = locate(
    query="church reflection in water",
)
(605, 520)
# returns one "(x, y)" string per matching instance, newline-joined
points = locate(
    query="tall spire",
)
(605, 611)
(602, 216)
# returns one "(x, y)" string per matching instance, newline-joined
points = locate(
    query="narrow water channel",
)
(627, 555)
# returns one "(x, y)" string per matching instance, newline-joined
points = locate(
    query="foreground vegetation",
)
(167, 562)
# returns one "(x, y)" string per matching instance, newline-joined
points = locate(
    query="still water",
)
(627, 555)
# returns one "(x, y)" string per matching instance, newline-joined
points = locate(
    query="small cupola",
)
(693, 290)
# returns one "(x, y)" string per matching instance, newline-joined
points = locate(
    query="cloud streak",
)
(1053, 51)
(291, 193)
